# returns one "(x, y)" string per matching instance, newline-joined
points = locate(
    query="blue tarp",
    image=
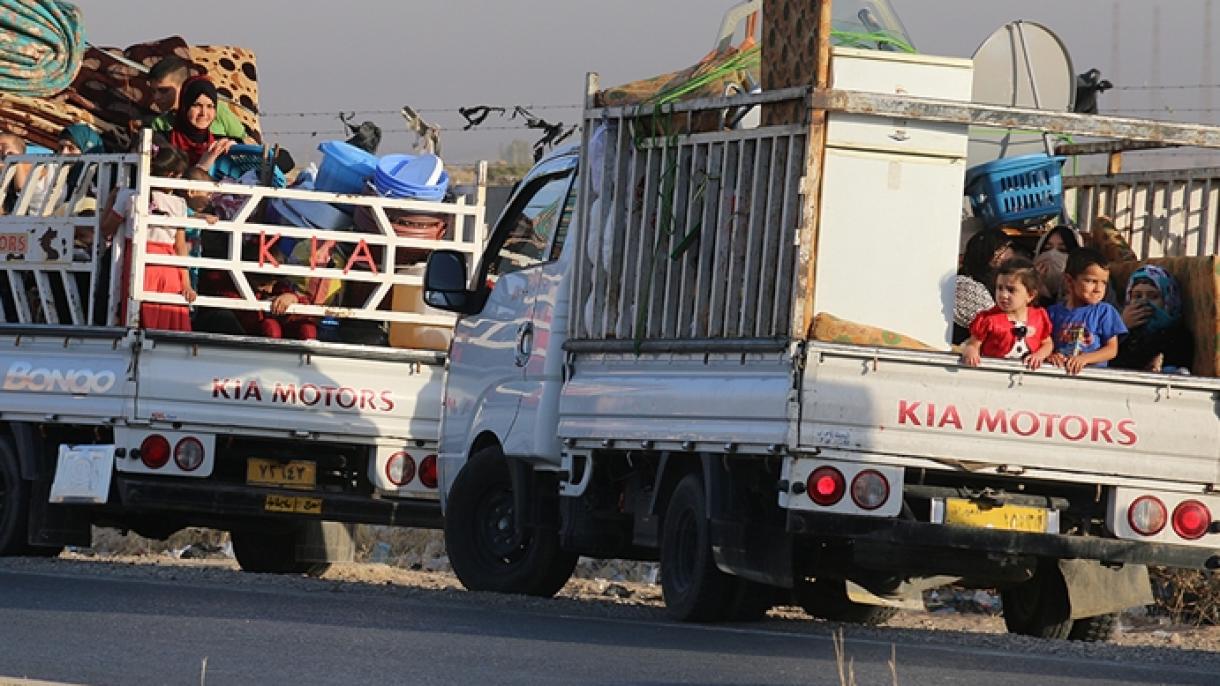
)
(41, 46)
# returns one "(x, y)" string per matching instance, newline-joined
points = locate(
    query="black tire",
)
(14, 503)
(271, 553)
(695, 590)
(1039, 607)
(1097, 629)
(748, 601)
(827, 599)
(479, 535)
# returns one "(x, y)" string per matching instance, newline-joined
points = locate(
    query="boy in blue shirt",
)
(1086, 330)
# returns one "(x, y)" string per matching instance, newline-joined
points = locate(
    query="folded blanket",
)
(41, 46)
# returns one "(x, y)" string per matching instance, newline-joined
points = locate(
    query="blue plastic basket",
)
(1017, 191)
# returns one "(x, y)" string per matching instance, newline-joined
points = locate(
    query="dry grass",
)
(1187, 596)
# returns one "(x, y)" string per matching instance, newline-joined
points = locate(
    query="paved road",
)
(90, 628)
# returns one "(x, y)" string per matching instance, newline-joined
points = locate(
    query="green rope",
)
(869, 40)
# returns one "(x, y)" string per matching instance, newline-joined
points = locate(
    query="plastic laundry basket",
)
(1017, 191)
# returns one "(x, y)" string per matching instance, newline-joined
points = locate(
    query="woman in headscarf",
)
(196, 111)
(1157, 339)
(1051, 259)
(78, 139)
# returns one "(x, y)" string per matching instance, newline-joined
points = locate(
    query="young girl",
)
(170, 163)
(1014, 328)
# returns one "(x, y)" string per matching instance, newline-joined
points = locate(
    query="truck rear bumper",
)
(905, 533)
(214, 501)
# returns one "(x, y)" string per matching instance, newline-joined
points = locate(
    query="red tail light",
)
(188, 454)
(825, 486)
(400, 468)
(1191, 519)
(154, 451)
(427, 471)
(869, 490)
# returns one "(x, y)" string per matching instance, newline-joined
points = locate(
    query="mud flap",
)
(1094, 589)
(326, 542)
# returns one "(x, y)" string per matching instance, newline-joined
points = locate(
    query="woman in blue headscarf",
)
(1157, 339)
(78, 139)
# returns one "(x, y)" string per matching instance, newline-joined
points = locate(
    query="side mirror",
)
(445, 282)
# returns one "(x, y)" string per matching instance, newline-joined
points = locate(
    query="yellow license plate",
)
(293, 504)
(1008, 517)
(297, 474)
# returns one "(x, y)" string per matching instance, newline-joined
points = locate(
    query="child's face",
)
(1089, 287)
(1011, 295)
(1146, 294)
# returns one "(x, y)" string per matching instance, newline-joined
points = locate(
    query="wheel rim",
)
(681, 570)
(494, 529)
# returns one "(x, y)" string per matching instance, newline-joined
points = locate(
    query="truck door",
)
(534, 430)
(486, 376)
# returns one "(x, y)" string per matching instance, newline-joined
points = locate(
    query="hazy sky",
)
(440, 54)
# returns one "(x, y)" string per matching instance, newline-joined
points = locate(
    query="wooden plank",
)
(974, 114)
(1209, 238)
(791, 58)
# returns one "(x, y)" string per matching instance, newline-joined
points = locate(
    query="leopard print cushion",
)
(108, 93)
(1199, 280)
(830, 329)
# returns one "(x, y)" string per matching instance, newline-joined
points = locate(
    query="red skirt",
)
(163, 279)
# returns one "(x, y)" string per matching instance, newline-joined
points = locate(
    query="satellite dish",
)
(1022, 64)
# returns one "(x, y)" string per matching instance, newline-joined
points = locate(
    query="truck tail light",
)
(869, 490)
(825, 486)
(188, 454)
(400, 468)
(1147, 515)
(427, 471)
(1191, 519)
(154, 451)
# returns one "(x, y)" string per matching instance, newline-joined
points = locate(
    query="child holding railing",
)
(162, 240)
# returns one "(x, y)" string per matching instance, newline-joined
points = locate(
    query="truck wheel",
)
(14, 503)
(827, 599)
(1094, 629)
(748, 601)
(1039, 607)
(480, 536)
(693, 587)
(271, 553)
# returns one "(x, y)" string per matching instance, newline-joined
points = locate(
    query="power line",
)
(1177, 86)
(342, 132)
(426, 110)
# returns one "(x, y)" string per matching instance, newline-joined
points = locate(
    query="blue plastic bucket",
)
(419, 177)
(344, 168)
(1016, 191)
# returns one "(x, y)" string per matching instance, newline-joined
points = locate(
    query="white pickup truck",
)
(637, 375)
(286, 443)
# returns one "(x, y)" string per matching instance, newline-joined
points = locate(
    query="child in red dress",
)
(1015, 328)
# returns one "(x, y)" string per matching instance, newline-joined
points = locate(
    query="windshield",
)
(869, 24)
